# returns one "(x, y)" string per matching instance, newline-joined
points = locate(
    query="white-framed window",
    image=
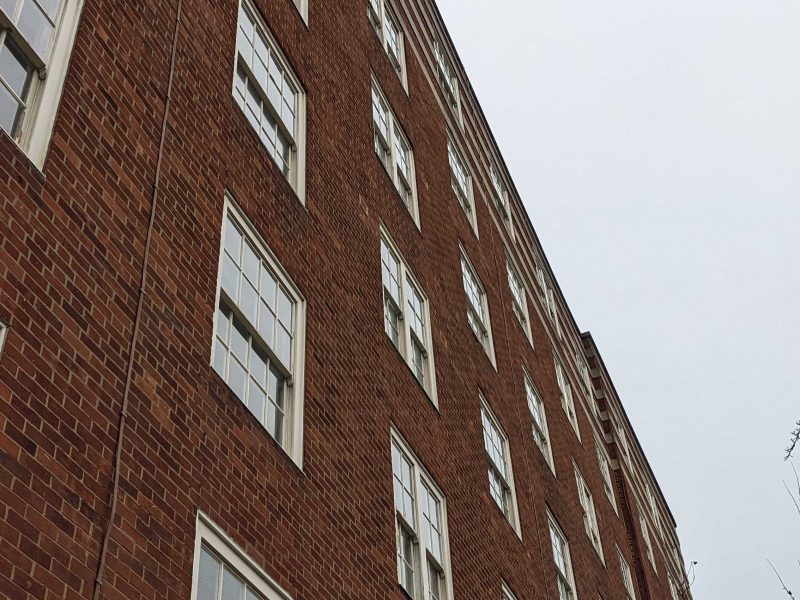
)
(36, 39)
(622, 439)
(394, 150)
(541, 434)
(259, 339)
(552, 310)
(461, 181)
(222, 570)
(605, 471)
(519, 298)
(561, 557)
(477, 306)
(651, 501)
(501, 197)
(648, 545)
(673, 588)
(270, 96)
(501, 478)
(448, 79)
(423, 553)
(406, 315)
(586, 376)
(506, 593)
(567, 401)
(627, 579)
(387, 26)
(589, 513)
(3, 335)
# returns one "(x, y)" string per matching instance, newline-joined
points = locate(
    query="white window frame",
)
(292, 432)
(511, 513)
(407, 335)
(502, 197)
(589, 513)
(484, 337)
(389, 157)
(422, 554)
(465, 198)
(648, 543)
(622, 439)
(448, 80)
(506, 593)
(213, 537)
(302, 8)
(567, 398)
(541, 433)
(627, 577)
(297, 138)
(651, 500)
(3, 336)
(566, 579)
(604, 462)
(519, 305)
(44, 97)
(380, 12)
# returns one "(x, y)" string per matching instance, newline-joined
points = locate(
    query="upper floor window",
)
(673, 589)
(541, 435)
(260, 332)
(461, 182)
(406, 315)
(223, 571)
(387, 26)
(448, 79)
(36, 39)
(519, 298)
(501, 481)
(567, 401)
(394, 150)
(648, 546)
(627, 579)
(622, 438)
(423, 554)
(270, 95)
(605, 471)
(501, 197)
(589, 514)
(477, 307)
(566, 581)
(651, 501)
(586, 376)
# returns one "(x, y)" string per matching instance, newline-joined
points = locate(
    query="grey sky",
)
(657, 148)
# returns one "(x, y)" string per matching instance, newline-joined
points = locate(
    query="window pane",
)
(8, 7)
(9, 111)
(14, 69)
(232, 586)
(207, 576)
(35, 27)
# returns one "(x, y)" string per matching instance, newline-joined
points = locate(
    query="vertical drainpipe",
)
(99, 581)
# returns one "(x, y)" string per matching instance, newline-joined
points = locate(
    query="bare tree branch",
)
(785, 589)
(793, 441)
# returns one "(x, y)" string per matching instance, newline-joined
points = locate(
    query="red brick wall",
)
(72, 253)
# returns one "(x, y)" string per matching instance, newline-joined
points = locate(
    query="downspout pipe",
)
(101, 565)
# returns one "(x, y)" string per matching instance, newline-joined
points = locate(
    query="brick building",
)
(271, 312)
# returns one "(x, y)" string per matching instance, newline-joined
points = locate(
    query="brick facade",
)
(73, 241)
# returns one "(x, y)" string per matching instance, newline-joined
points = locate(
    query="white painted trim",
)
(3, 336)
(295, 388)
(214, 537)
(45, 96)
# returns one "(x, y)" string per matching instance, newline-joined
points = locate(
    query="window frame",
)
(590, 521)
(539, 430)
(627, 576)
(407, 277)
(297, 139)
(213, 537)
(485, 338)
(452, 92)
(4, 327)
(43, 99)
(511, 513)
(378, 25)
(422, 555)
(567, 397)
(394, 132)
(502, 197)
(465, 198)
(294, 390)
(520, 311)
(568, 578)
(604, 463)
(647, 540)
(505, 592)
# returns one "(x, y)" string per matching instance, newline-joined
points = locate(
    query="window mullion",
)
(422, 554)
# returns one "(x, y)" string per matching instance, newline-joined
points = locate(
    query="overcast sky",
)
(656, 146)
